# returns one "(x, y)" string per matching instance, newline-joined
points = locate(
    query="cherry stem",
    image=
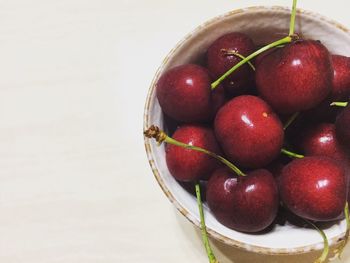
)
(277, 43)
(339, 103)
(339, 249)
(205, 238)
(290, 120)
(325, 251)
(291, 154)
(292, 18)
(282, 41)
(230, 52)
(161, 136)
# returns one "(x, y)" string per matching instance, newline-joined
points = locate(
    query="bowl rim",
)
(146, 123)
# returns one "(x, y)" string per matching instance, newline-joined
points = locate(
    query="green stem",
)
(346, 212)
(161, 136)
(291, 154)
(292, 18)
(339, 103)
(198, 149)
(205, 238)
(282, 41)
(235, 53)
(290, 120)
(325, 251)
(340, 248)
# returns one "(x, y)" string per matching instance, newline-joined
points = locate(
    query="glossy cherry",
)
(185, 95)
(321, 140)
(247, 204)
(188, 165)
(314, 188)
(220, 59)
(249, 132)
(340, 92)
(296, 77)
(341, 81)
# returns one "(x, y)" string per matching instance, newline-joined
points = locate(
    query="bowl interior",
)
(263, 25)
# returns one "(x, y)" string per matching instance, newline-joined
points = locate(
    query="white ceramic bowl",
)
(263, 24)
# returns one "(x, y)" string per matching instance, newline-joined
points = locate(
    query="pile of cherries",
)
(257, 118)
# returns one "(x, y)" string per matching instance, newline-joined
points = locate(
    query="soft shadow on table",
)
(228, 254)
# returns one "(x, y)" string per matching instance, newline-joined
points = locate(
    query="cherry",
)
(221, 57)
(244, 203)
(314, 188)
(248, 131)
(341, 81)
(340, 92)
(321, 140)
(185, 95)
(186, 164)
(342, 125)
(295, 77)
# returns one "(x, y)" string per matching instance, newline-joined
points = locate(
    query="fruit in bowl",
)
(227, 120)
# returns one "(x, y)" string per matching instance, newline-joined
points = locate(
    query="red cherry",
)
(321, 140)
(296, 77)
(219, 61)
(341, 81)
(247, 204)
(249, 132)
(314, 188)
(188, 165)
(185, 95)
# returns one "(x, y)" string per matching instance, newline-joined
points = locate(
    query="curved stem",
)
(292, 18)
(291, 154)
(235, 53)
(199, 149)
(290, 120)
(339, 249)
(325, 251)
(161, 136)
(282, 41)
(205, 238)
(339, 103)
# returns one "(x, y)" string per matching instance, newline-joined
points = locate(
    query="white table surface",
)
(75, 184)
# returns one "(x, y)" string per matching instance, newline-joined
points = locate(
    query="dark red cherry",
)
(341, 81)
(185, 95)
(249, 132)
(314, 188)
(340, 92)
(342, 125)
(189, 165)
(321, 140)
(247, 204)
(220, 59)
(296, 77)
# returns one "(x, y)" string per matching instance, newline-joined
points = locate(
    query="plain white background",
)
(75, 184)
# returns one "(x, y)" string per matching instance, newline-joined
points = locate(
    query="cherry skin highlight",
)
(296, 77)
(188, 165)
(249, 132)
(246, 204)
(314, 188)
